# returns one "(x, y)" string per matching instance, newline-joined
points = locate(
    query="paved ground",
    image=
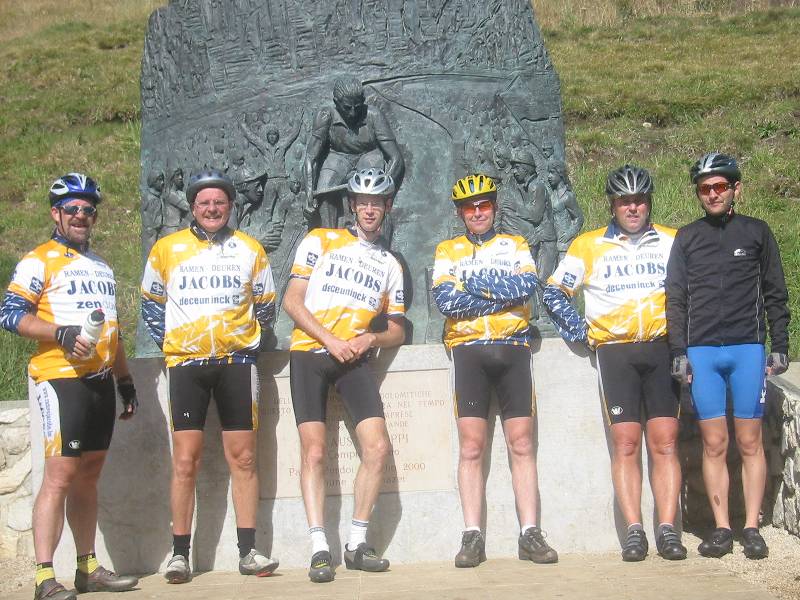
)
(575, 576)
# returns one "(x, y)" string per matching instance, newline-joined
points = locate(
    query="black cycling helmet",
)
(74, 185)
(629, 180)
(210, 178)
(716, 163)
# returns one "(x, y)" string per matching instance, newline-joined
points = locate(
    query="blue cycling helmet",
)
(74, 185)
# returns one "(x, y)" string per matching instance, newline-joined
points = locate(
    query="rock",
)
(19, 513)
(12, 478)
(8, 417)
(15, 440)
(778, 517)
(25, 545)
(8, 545)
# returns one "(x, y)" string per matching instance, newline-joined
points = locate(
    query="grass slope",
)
(655, 90)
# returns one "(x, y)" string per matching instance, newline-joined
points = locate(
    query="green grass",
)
(657, 90)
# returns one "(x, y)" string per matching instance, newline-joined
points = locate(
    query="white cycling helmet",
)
(371, 182)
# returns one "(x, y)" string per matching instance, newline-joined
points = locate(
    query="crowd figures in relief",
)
(290, 167)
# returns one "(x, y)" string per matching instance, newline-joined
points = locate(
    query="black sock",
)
(247, 540)
(180, 545)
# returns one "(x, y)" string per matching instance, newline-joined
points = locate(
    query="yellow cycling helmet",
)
(473, 186)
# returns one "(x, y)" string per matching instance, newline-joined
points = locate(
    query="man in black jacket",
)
(724, 274)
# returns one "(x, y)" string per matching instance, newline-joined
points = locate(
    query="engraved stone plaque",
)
(419, 419)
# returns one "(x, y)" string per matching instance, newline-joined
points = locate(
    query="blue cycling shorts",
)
(716, 369)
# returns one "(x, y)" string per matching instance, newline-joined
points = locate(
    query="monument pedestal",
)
(418, 515)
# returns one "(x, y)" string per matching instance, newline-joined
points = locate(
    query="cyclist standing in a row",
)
(208, 301)
(53, 290)
(482, 283)
(621, 269)
(723, 277)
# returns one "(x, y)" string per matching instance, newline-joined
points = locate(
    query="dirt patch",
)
(779, 574)
(16, 574)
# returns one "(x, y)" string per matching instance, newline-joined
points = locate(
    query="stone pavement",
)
(576, 576)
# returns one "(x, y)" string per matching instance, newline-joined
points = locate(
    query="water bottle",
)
(93, 326)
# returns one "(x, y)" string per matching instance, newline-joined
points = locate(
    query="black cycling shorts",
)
(235, 389)
(77, 414)
(480, 368)
(636, 374)
(310, 375)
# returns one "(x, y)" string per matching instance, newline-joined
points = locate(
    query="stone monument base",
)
(418, 515)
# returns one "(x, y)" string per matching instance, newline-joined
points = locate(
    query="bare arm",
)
(120, 367)
(295, 306)
(394, 335)
(31, 326)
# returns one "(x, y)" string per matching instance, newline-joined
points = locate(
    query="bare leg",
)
(626, 471)
(240, 453)
(519, 440)
(312, 470)
(82, 501)
(715, 467)
(754, 467)
(472, 432)
(48, 510)
(662, 445)
(187, 449)
(374, 443)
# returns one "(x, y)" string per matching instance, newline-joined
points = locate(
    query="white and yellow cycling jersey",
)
(622, 281)
(62, 285)
(350, 282)
(201, 299)
(483, 289)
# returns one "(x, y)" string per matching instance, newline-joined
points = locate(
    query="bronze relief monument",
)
(288, 97)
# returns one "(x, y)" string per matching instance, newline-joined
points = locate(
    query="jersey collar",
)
(379, 242)
(481, 239)
(82, 248)
(220, 237)
(614, 232)
(722, 220)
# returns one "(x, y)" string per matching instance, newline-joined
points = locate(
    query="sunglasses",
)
(74, 209)
(484, 207)
(719, 188)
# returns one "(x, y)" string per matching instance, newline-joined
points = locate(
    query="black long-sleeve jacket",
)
(723, 274)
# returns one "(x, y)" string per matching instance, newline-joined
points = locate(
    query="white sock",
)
(525, 528)
(319, 541)
(358, 534)
(472, 528)
(634, 526)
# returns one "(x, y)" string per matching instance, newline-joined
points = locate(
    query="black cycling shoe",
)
(533, 547)
(635, 547)
(364, 558)
(321, 570)
(472, 551)
(717, 544)
(668, 544)
(753, 544)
